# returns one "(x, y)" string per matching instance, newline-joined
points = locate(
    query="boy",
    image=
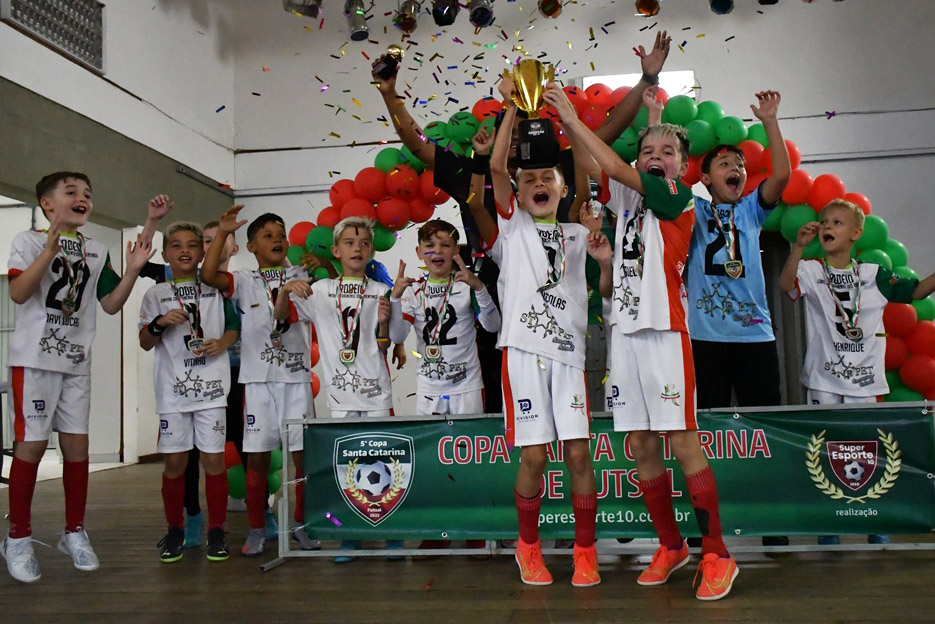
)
(844, 358)
(543, 295)
(656, 394)
(274, 364)
(53, 277)
(351, 317)
(190, 326)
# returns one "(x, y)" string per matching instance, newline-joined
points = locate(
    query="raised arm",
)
(806, 234)
(499, 173)
(488, 315)
(210, 268)
(925, 288)
(399, 326)
(653, 105)
(159, 207)
(775, 184)
(25, 284)
(486, 226)
(406, 127)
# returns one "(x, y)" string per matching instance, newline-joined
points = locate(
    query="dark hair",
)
(717, 151)
(47, 184)
(430, 228)
(262, 220)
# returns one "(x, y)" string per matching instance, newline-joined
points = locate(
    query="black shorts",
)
(750, 370)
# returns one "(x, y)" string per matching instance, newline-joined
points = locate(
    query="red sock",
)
(585, 508)
(657, 496)
(75, 480)
(216, 494)
(173, 500)
(256, 499)
(299, 513)
(703, 491)
(22, 486)
(527, 509)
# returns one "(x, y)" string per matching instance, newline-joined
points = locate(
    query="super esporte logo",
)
(854, 463)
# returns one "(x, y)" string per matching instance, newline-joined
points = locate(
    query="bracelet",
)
(480, 164)
(383, 339)
(154, 329)
(653, 80)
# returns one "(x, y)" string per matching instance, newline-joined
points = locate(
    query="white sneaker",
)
(20, 559)
(236, 504)
(78, 547)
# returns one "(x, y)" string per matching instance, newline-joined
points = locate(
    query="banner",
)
(814, 472)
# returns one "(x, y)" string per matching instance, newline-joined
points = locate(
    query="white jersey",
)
(444, 319)
(546, 321)
(270, 350)
(45, 337)
(362, 384)
(184, 381)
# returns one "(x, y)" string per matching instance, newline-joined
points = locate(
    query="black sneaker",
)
(172, 545)
(217, 545)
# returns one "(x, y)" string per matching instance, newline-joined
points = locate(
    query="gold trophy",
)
(388, 64)
(529, 78)
(537, 146)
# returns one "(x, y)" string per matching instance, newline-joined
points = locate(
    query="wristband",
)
(653, 80)
(154, 329)
(480, 164)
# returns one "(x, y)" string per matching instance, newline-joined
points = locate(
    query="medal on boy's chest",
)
(854, 333)
(275, 338)
(433, 350)
(347, 322)
(195, 345)
(348, 356)
(851, 330)
(433, 353)
(69, 305)
(733, 268)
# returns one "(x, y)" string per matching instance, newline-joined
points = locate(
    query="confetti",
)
(220, 109)
(604, 380)
(265, 68)
(334, 520)
(428, 585)
(255, 93)
(729, 38)
(831, 114)
(417, 354)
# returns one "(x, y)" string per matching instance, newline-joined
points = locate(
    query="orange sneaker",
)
(717, 576)
(586, 574)
(664, 563)
(531, 565)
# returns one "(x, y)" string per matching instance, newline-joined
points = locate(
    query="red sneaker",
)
(586, 574)
(531, 565)
(664, 563)
(717, 577)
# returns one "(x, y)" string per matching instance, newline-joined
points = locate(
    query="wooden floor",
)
(125, 522)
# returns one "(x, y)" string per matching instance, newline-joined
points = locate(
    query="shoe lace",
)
(532, 558)
(23, 545)
(659, 559)
(707, 568)
(585, 556)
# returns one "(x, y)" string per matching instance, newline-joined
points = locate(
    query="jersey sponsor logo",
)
(858, 375)
(61, 346)
(673, 189)
(854, 464)
(38, 406)
(614, 401)
(843, 280)
(577, 403)
(198, 388)
(348, 379)
(670, 392)
(525, 405)
(373, 471)
(163, 424)
(724, 306)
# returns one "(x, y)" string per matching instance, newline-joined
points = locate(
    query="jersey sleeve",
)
(894, 288)
(485, 310)
(761, 209)
(667, 198)
(231, 318)
(154, 271)
(108, 281)
(22, 254)
(805, 279)
(149, 308)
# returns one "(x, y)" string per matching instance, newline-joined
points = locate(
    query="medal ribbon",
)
(442, 312)
(352, 322)
(554, 278)
(175, 292)
(848, 324)
(730, 235)
(269, 290)
(72, 274)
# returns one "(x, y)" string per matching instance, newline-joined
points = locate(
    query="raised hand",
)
(807, 233)
(506, 88)
(384, 85)
(159, 207)
(587, 219)
(138, 254)
(555, 96)
(310, 261)
(768, 105)
(599, 247)
(483, 141)
(467, 276)
(228, 222)
(55, 228)
(402, 282)
(652, 63)
(655, 106)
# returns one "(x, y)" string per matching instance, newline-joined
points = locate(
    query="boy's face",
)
(437, 254)
(70, 201)
(184, 252)
(538, 191)
(354, 249)
(661, 156)
(726, 178)
(839, 230)
(269, 245)
(230, 247)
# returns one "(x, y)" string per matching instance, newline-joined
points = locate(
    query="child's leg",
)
(192, 505)
(215, 488)
(527, 495)
(74, 478)
(173, 488)
(656, 487)
(23, 471)
(577, 455)
(701, 488)
(257, 470)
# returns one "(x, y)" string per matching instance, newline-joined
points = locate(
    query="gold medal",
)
(854, 333)
(433, 353)
(733, 268)
(195, 345)
(348, 356)
(68, 305)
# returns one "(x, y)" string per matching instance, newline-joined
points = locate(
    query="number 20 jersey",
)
(45, 338)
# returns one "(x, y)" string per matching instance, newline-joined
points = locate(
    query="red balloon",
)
(329, 217)
(825, 188)
(549, 112)
(795, 154)
(299, 232)
(921, 339)
(593, 115)
(752, 156)
(486, 107)
(896, 353)
(231, 456)
(358, 208)
(314, 333)
(429, 192)
(316, 385)
(403, 181)
(899, 319)
(798, 188)
(617, 95)
(316, 353)
(341, 191)
(597, 91)
(861, 200)
(753, 182)
(578, 98)
(420, 210)
(393, 213)
(918, 373)
(693, 173)
(370, 184)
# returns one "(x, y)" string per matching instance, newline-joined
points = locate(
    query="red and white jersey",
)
(270, 350)
(45, 337)
(656, 299)
(184, 381)
(550, 322)
(364, 383)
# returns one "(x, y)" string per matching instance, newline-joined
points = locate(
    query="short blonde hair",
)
(352, 222)
(185, 226)
(664, 130)
(851, 207)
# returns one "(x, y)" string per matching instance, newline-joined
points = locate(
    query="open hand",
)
(807, 233)
(768, 105)
(228, 222)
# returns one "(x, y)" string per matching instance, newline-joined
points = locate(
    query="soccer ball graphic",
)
(853, 471)
(374, 479)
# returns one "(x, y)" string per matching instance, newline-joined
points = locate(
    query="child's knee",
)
(644, 445)
(534, 459)
(578, 456)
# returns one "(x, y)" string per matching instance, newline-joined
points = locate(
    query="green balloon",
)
(408, 158)
(437, 130)
(275, 460)
(489, 123)
(875, 233)
(876, 256)
(774, 218)
(274, 481)
(236, 482)
(320, 273)
(893, 380)
(625, 145)
(897, 252)
(386, 159)
(701, 137)
(905, 272)
(680, 110)
(462, 126)
(813, 251)
(757, 133)
(319, 241)
(295, 253)
(794, 218)
(642, 119)
(383, 239)
(710, 111)
(925, 309)
(902, 394)
(730, 130)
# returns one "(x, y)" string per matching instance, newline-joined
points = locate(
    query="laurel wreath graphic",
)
(395, 487)
(881, 487)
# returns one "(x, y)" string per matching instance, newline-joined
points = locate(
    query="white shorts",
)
(464, 403)
(543, 403)
(46, 401)
(380, 413)
(266, 404)
(205, 429)
(820, 397)
(652, 381)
